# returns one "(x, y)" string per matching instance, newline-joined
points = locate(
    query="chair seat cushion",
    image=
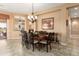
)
(43, 42)
(35, 41)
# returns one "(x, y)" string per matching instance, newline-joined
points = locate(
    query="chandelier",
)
(32, 17)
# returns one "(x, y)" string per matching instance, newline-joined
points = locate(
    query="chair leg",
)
(27, 45)
(22, 43)
(47, 47)
(33, 47)
(39, 46)
(50, 47)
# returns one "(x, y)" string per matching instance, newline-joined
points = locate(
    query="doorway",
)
(3, 29)
(74, 21)
(74, 26)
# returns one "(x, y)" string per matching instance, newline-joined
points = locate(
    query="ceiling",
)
(74, 11)
(26, 8)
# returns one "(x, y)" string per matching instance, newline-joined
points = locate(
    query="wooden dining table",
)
(40, 37)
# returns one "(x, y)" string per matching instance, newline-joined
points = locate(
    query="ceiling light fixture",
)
(75, 16)
(75, 13)
(76, 8)
(32, 18)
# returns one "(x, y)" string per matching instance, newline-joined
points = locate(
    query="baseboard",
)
(13, 39)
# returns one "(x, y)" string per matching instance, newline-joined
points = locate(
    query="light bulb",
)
(74, 22)
(28, 17)
(76, 8)
(35, 17)
(31, 16)
(75, 14)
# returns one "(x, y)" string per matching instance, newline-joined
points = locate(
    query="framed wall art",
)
(19, 24)
(48, 23)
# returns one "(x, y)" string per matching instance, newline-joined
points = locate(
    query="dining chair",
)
(25, 41)
(56, 38)
(34, 40)
(46, 41)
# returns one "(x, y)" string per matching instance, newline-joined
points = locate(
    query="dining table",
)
(41, 37)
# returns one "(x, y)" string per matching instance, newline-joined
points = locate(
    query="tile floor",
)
(14, 48)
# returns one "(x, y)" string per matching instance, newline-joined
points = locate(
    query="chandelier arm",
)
(32, 17)
(32, 9)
